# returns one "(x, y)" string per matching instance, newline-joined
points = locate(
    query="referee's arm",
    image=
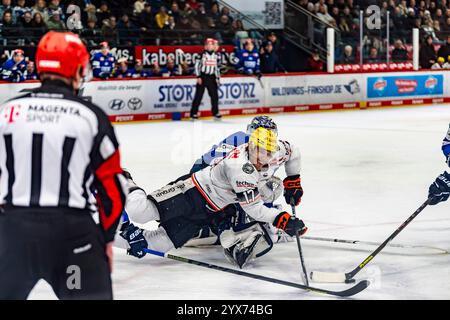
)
(198, 67)
(108, 180)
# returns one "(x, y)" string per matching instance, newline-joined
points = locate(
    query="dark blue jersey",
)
(446, 146)
(103, 65)
(220, 150)
(14, 72)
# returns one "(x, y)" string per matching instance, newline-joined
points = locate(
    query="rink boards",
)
(170, 98)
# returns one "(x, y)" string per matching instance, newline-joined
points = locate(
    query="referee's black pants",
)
(62, 246)
(210, 83)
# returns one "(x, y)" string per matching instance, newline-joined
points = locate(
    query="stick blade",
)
(329, 277)
(360, 286)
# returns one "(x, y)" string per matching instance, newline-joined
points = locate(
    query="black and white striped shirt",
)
(55, 149)
(208, 64)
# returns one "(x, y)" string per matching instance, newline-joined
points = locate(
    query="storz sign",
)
(401, 86)
(230, 93)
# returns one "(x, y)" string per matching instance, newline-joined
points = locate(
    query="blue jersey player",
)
(439, 191)
(103, 63)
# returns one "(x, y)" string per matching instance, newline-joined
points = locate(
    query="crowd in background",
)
(189, 22)
(431, 17)
(120, 22)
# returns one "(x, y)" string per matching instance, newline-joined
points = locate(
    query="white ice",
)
(363, 172)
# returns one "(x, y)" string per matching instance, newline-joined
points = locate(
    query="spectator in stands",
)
(214, 13)
(55, 6)
(373, 56)
(347, 55)
(39, 25)
(9, 30)
(19, 10)
(31, 73)
(270, 63)
(26, 26)
(91, 13)
(162, 18)
(127, 31)
(225, 29)
(427, 55)
(188, 11)
(5, 6)
(147, 23)
(109, 30)
(211, 29)
(399, 54)
(314, 62)
(13, 70)
(447, 63)
(138, 7)
(439, 64)
(92, 34)
(201, 15)
(194, 4)
(323, 14)
(121, 70)
(226, 12)
(41, 7)
(444, 50)
(276, 43)
(103, 13)
(183, 26)
(346, 24)
(54, 22)
(170, 33)
(175, 11)
(428, 29)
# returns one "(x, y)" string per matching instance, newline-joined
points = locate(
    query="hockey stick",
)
(300, 252)
(319, 276)
(360, 286)
(371, 243)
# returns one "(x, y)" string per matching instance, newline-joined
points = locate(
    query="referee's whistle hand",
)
(199, 81)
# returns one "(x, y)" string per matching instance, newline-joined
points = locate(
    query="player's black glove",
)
(440, 189)
(289, 224)
(135, 239)
(293, 190)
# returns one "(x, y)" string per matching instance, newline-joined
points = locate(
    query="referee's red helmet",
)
(62, 53)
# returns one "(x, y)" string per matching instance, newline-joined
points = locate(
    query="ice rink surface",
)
(363, 173)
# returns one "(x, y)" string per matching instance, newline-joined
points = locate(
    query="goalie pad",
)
(204, 238)
(270, 189)
(245, 242)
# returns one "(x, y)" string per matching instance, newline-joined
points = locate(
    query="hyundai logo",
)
(116, 104)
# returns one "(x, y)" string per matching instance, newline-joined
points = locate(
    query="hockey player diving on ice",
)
(208, 197)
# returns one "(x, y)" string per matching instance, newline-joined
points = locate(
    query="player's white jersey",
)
(234, 179)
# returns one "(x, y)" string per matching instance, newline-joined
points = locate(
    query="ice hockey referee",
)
(56, 152)
(208, 76)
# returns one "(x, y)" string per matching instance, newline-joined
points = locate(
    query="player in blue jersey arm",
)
(103, 63)
(14, 69)
(439, 191)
